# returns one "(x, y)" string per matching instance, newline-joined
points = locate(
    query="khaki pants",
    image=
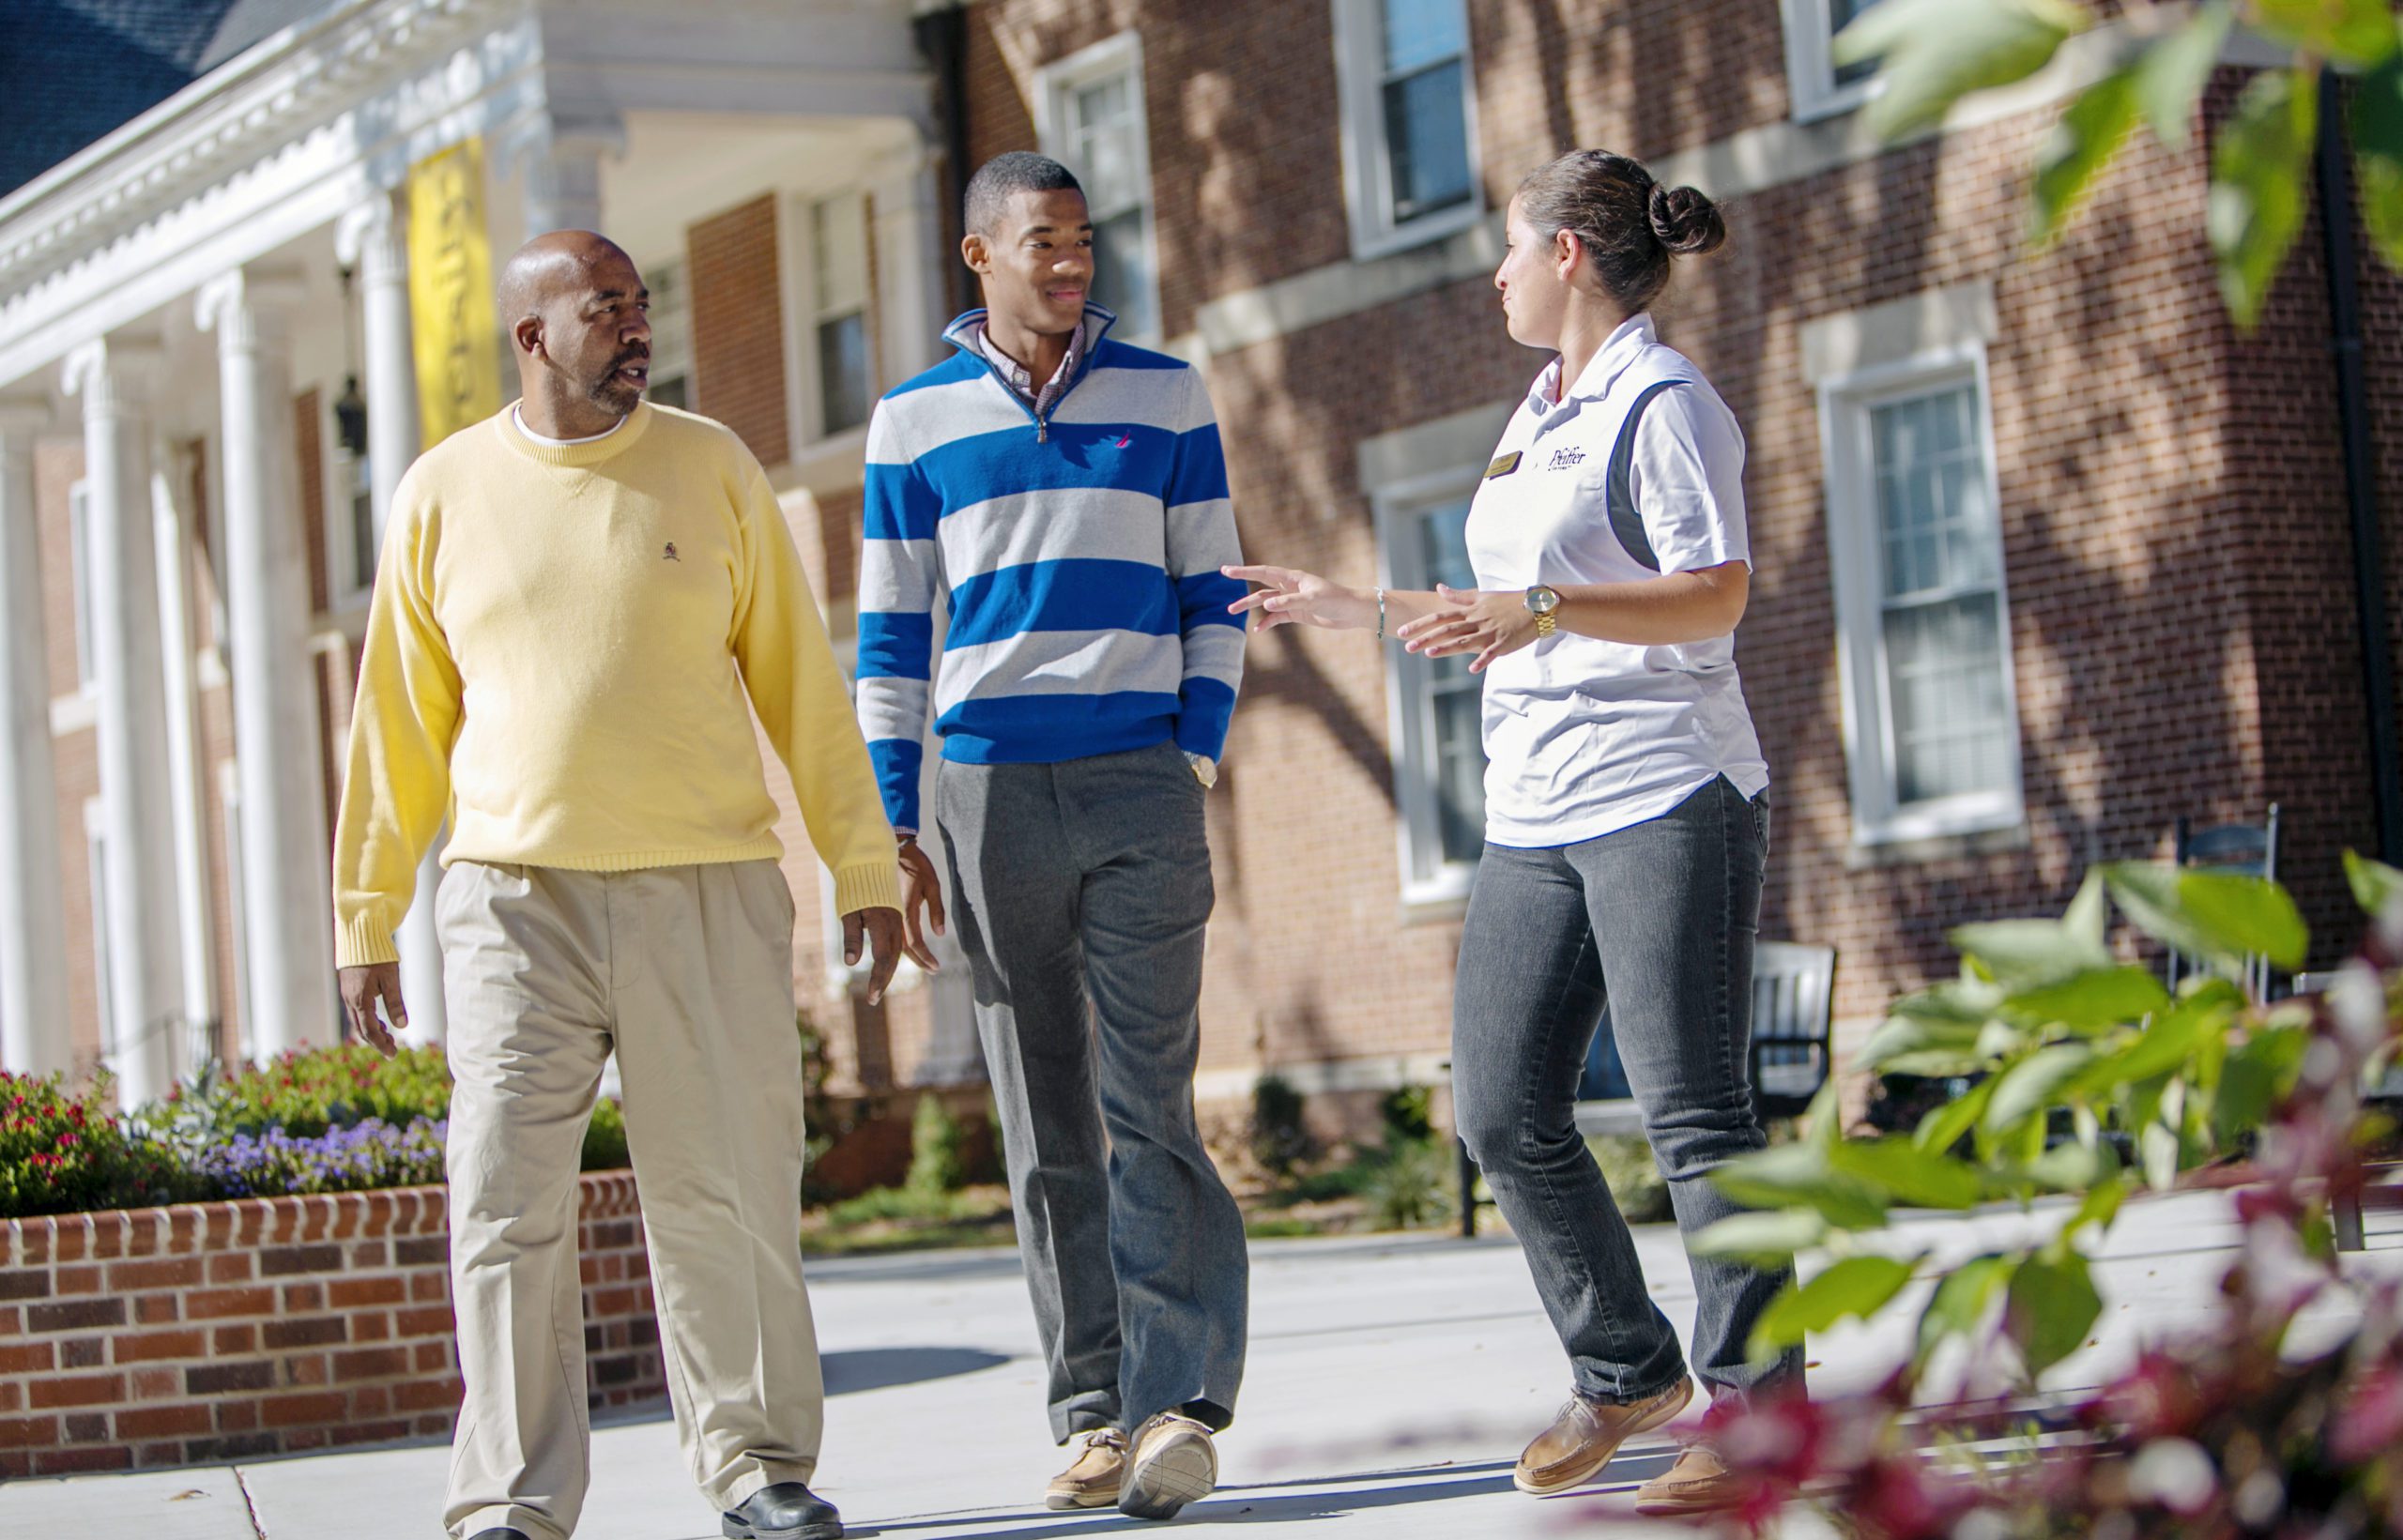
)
(687, 972)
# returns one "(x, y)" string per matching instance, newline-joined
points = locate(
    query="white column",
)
(563, 177)
(911, 249)
(371, 238)
(197, 952)
(137, 867)
(35, 1037)
(287, 899)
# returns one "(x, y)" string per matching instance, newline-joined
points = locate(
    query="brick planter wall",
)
(210, 1331)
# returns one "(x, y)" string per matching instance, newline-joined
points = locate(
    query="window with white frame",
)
(1091, 119)
(671, 334)
(1439, 747)
(1408, 120)
(838, 288)
(78, 557)
(1931, 727)
(1819, 87)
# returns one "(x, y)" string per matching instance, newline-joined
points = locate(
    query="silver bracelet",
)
(1381, 615)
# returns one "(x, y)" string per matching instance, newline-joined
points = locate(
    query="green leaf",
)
(2089, 915)
(2378, 155)
(2026, 953)
(2092, 1000)
(1763, 1240)
(2158, 1147)
(2033, 1084)
(2101, 1207)
(2246, 916)
(1961, 1300)
(1903, 1034)
(1800, 1175)
(2257, 186)
(2173, 71)
(2167, 1044)
(1941, 1129)
(2217, 915)
(1924, 1178)
(2072, 1167)
(2051, 1305)
(2090, 133)
(2377, 885)
(2359, 32)
(2257, 1073)
(1933, 53)
(1857, 1286)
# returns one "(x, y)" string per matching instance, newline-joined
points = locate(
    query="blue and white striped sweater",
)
(1078, 558)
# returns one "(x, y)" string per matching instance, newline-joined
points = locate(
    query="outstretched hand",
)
(1491, 625)
(1288, 597)
(362, 987)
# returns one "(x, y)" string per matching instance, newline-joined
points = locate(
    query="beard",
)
(613, 391)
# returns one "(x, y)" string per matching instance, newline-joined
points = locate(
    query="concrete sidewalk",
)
(1392, 1383)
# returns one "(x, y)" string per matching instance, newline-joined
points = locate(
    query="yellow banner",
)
(458, 372)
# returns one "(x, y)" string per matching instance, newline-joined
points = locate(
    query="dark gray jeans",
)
(1657, 921)
(1082, 889)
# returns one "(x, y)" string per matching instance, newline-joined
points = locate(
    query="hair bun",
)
(1686, 220)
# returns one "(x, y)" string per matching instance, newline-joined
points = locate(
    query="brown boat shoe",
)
(1582, 1440)
(1699, 1482)
(1093, 1480)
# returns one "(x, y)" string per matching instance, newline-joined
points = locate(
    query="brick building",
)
(2046, 554)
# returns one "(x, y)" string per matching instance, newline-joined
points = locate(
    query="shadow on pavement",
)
(875, 1368)
(1238, 1505)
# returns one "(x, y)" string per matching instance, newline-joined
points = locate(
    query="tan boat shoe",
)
(1092, 1481)
(1174, 1463)
(1699, 1482)
(1582, 1440)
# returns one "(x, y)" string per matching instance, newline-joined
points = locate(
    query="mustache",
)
(631, 355)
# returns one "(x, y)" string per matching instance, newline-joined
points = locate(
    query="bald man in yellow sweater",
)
(581, 602)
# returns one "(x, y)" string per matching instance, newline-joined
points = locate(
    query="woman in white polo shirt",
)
(1626, 819)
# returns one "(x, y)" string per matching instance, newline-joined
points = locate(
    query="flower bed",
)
(206, 1331)
(260, 1265)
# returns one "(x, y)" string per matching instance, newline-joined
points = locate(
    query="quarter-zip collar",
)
(966, 332)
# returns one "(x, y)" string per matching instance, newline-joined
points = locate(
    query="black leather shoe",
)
(499, 1534)
(785, 1511)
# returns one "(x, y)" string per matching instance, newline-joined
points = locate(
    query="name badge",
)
(1503, 464)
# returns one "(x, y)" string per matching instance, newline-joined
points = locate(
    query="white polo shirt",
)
(1583, 738)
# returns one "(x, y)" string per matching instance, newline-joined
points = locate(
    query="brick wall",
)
(2173, 532)
(738, 326)
(211, 1332)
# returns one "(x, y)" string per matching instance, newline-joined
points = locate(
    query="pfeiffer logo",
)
(1564, 457)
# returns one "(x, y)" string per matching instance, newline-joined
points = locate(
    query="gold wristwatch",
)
(1543, 603)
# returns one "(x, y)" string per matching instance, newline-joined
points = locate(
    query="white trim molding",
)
(1858, 362)
(1811, 79)
(1054, 84)
(1368, 163)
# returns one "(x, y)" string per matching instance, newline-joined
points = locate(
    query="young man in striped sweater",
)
(1065, 496)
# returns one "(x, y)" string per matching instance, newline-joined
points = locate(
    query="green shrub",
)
(605, 1137)
(936, 1166)
(67, 1154)
(1279, 1139)
(1408, 1114)
(892, 1203)
(310, 1090)
(1409, 1186)
(1632, 1176)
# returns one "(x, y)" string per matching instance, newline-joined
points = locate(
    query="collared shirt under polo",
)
(1585, 737)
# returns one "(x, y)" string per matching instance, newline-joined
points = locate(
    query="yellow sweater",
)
(558, 655)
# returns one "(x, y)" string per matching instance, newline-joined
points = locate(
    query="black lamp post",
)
(350, 418)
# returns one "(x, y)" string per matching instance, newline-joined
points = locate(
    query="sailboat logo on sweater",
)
(671, 554)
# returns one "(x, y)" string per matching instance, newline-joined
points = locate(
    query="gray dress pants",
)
(1082, 889)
